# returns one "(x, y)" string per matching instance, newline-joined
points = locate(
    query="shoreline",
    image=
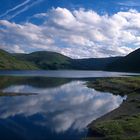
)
(123, 121)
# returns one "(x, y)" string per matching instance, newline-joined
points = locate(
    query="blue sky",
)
(77, 28)
(100, 6)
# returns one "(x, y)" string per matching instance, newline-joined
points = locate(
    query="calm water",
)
(66, 73)
(58, 109)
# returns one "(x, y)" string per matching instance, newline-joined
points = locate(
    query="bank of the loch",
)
(122, 123)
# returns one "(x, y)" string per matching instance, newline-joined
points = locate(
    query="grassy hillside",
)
(130, 63)
(46, 60)
(53, 61)
(9, 62)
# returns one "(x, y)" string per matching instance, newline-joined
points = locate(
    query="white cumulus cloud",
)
(78, 33)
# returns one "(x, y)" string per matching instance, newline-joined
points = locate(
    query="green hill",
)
(9, 62)
(52, 61)
(129, 63)
(46, 60)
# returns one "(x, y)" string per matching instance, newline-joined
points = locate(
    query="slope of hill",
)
(52, 61)
(129, 63)
(9, 62)
(46, 60)
(92, 63)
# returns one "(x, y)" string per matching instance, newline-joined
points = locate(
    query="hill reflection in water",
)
(61, 109)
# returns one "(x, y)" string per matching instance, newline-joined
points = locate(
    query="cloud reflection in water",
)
(70, 106)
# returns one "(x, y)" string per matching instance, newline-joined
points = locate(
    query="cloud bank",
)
(78, 33)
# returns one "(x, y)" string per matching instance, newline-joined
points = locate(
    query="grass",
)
(120, 85)
(122, 123)
(126, 126)
(9, 62)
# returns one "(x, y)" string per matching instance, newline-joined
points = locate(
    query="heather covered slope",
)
(9, 62)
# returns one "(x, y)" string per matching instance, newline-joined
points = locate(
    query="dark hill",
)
(93, 63)
(129, 63)
(52, 60)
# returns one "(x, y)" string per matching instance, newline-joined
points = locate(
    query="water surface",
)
(58, 109)
(66, 73)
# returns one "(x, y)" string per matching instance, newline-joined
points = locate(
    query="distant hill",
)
(52, 61)
(46, 60)
(9, 62)
(92, 63)
(129, 63)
